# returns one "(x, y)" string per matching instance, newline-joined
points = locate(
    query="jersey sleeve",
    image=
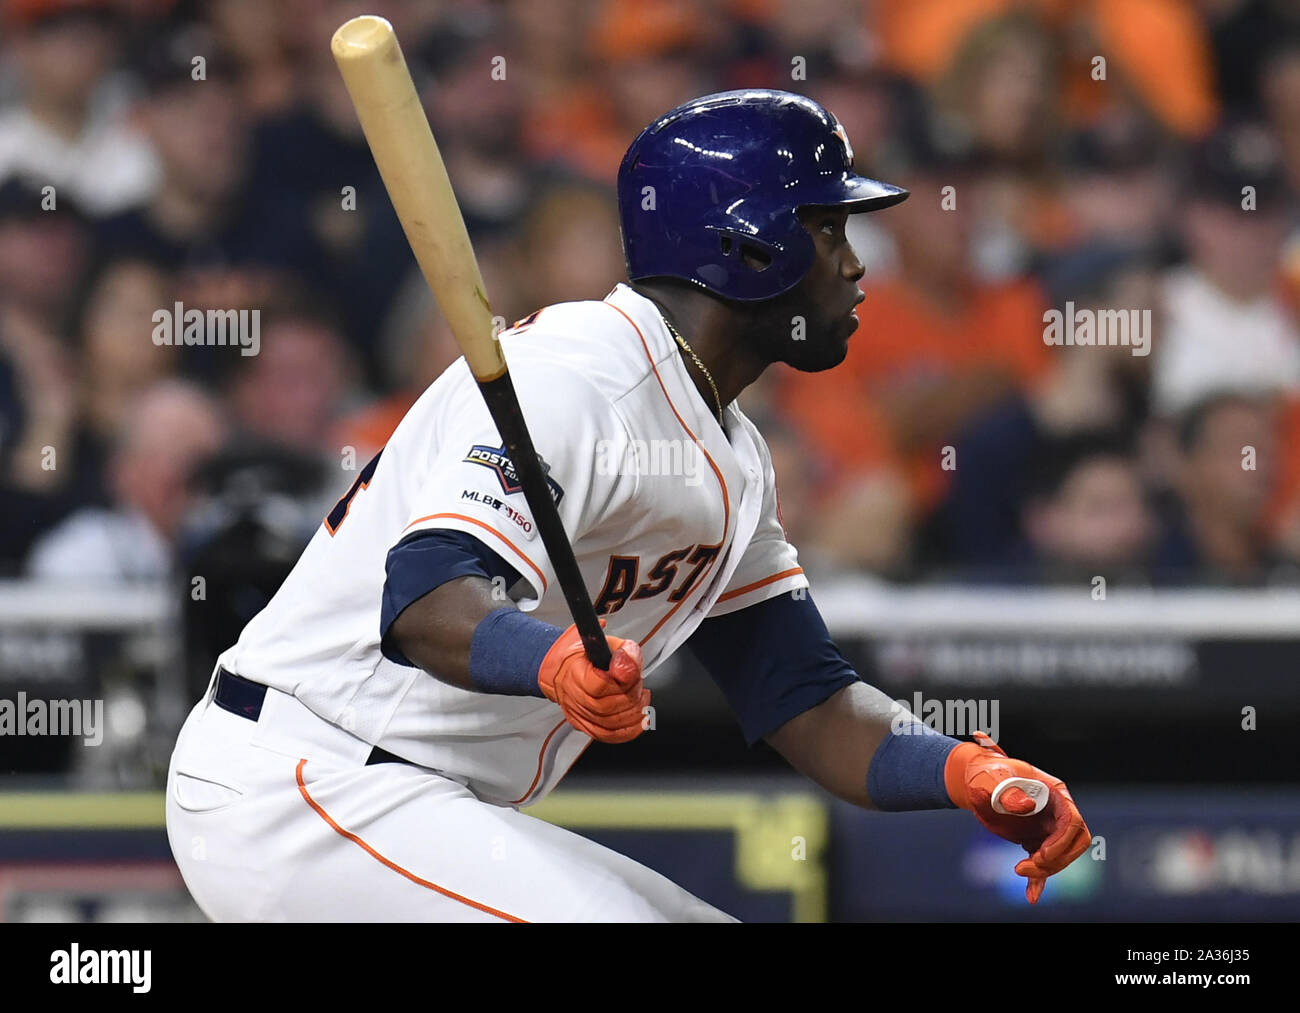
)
(772, 661)
(471, 485)
(770, 565)
(425, 560)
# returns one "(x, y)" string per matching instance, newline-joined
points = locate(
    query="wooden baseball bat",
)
(398, 133)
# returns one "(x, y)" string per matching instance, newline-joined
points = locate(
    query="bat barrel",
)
(375, 73)
(415, 177)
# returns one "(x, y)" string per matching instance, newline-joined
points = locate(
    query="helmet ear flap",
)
(756, 258)
(747, 263)
(749, 251)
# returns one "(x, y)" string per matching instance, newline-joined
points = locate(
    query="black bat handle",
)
(503, 404)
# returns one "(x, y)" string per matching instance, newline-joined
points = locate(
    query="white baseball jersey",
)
(671, 519)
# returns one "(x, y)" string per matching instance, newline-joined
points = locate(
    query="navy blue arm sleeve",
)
(426, 560)
(772, 661)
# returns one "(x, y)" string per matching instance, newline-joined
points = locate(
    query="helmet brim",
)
(856, 193)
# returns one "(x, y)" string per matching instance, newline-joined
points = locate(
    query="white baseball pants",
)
(280, 819)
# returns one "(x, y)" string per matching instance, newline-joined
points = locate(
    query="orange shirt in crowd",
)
(579, 132)
(900, 337)
(370, 427)
(1286, 501)
(1158, 47)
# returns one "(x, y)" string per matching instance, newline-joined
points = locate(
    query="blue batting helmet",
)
(724, 176)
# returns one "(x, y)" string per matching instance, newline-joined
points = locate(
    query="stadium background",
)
(154, 496)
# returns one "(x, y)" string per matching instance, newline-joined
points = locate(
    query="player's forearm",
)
(442, 601)
(834, 742)
(435, 632)
(460, 633)
(442, 611)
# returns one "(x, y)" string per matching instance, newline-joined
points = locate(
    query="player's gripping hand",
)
(607, 705)
(1041, 817)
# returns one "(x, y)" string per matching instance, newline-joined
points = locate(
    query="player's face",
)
(825, 301)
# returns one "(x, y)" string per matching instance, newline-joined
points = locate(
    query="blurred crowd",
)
(1083, 156)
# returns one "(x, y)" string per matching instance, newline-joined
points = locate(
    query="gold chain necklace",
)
(696, 359)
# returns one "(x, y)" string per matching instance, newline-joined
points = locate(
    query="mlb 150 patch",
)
(496, 459)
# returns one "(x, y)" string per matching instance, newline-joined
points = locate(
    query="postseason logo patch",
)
(496, 459)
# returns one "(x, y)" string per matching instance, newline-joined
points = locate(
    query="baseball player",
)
(366, 748)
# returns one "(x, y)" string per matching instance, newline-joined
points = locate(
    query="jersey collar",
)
(663, 349)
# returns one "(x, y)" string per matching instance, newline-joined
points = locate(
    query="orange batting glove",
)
(1019, 803)
(607, 705)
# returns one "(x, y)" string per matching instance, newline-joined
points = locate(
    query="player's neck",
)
(714, 334)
